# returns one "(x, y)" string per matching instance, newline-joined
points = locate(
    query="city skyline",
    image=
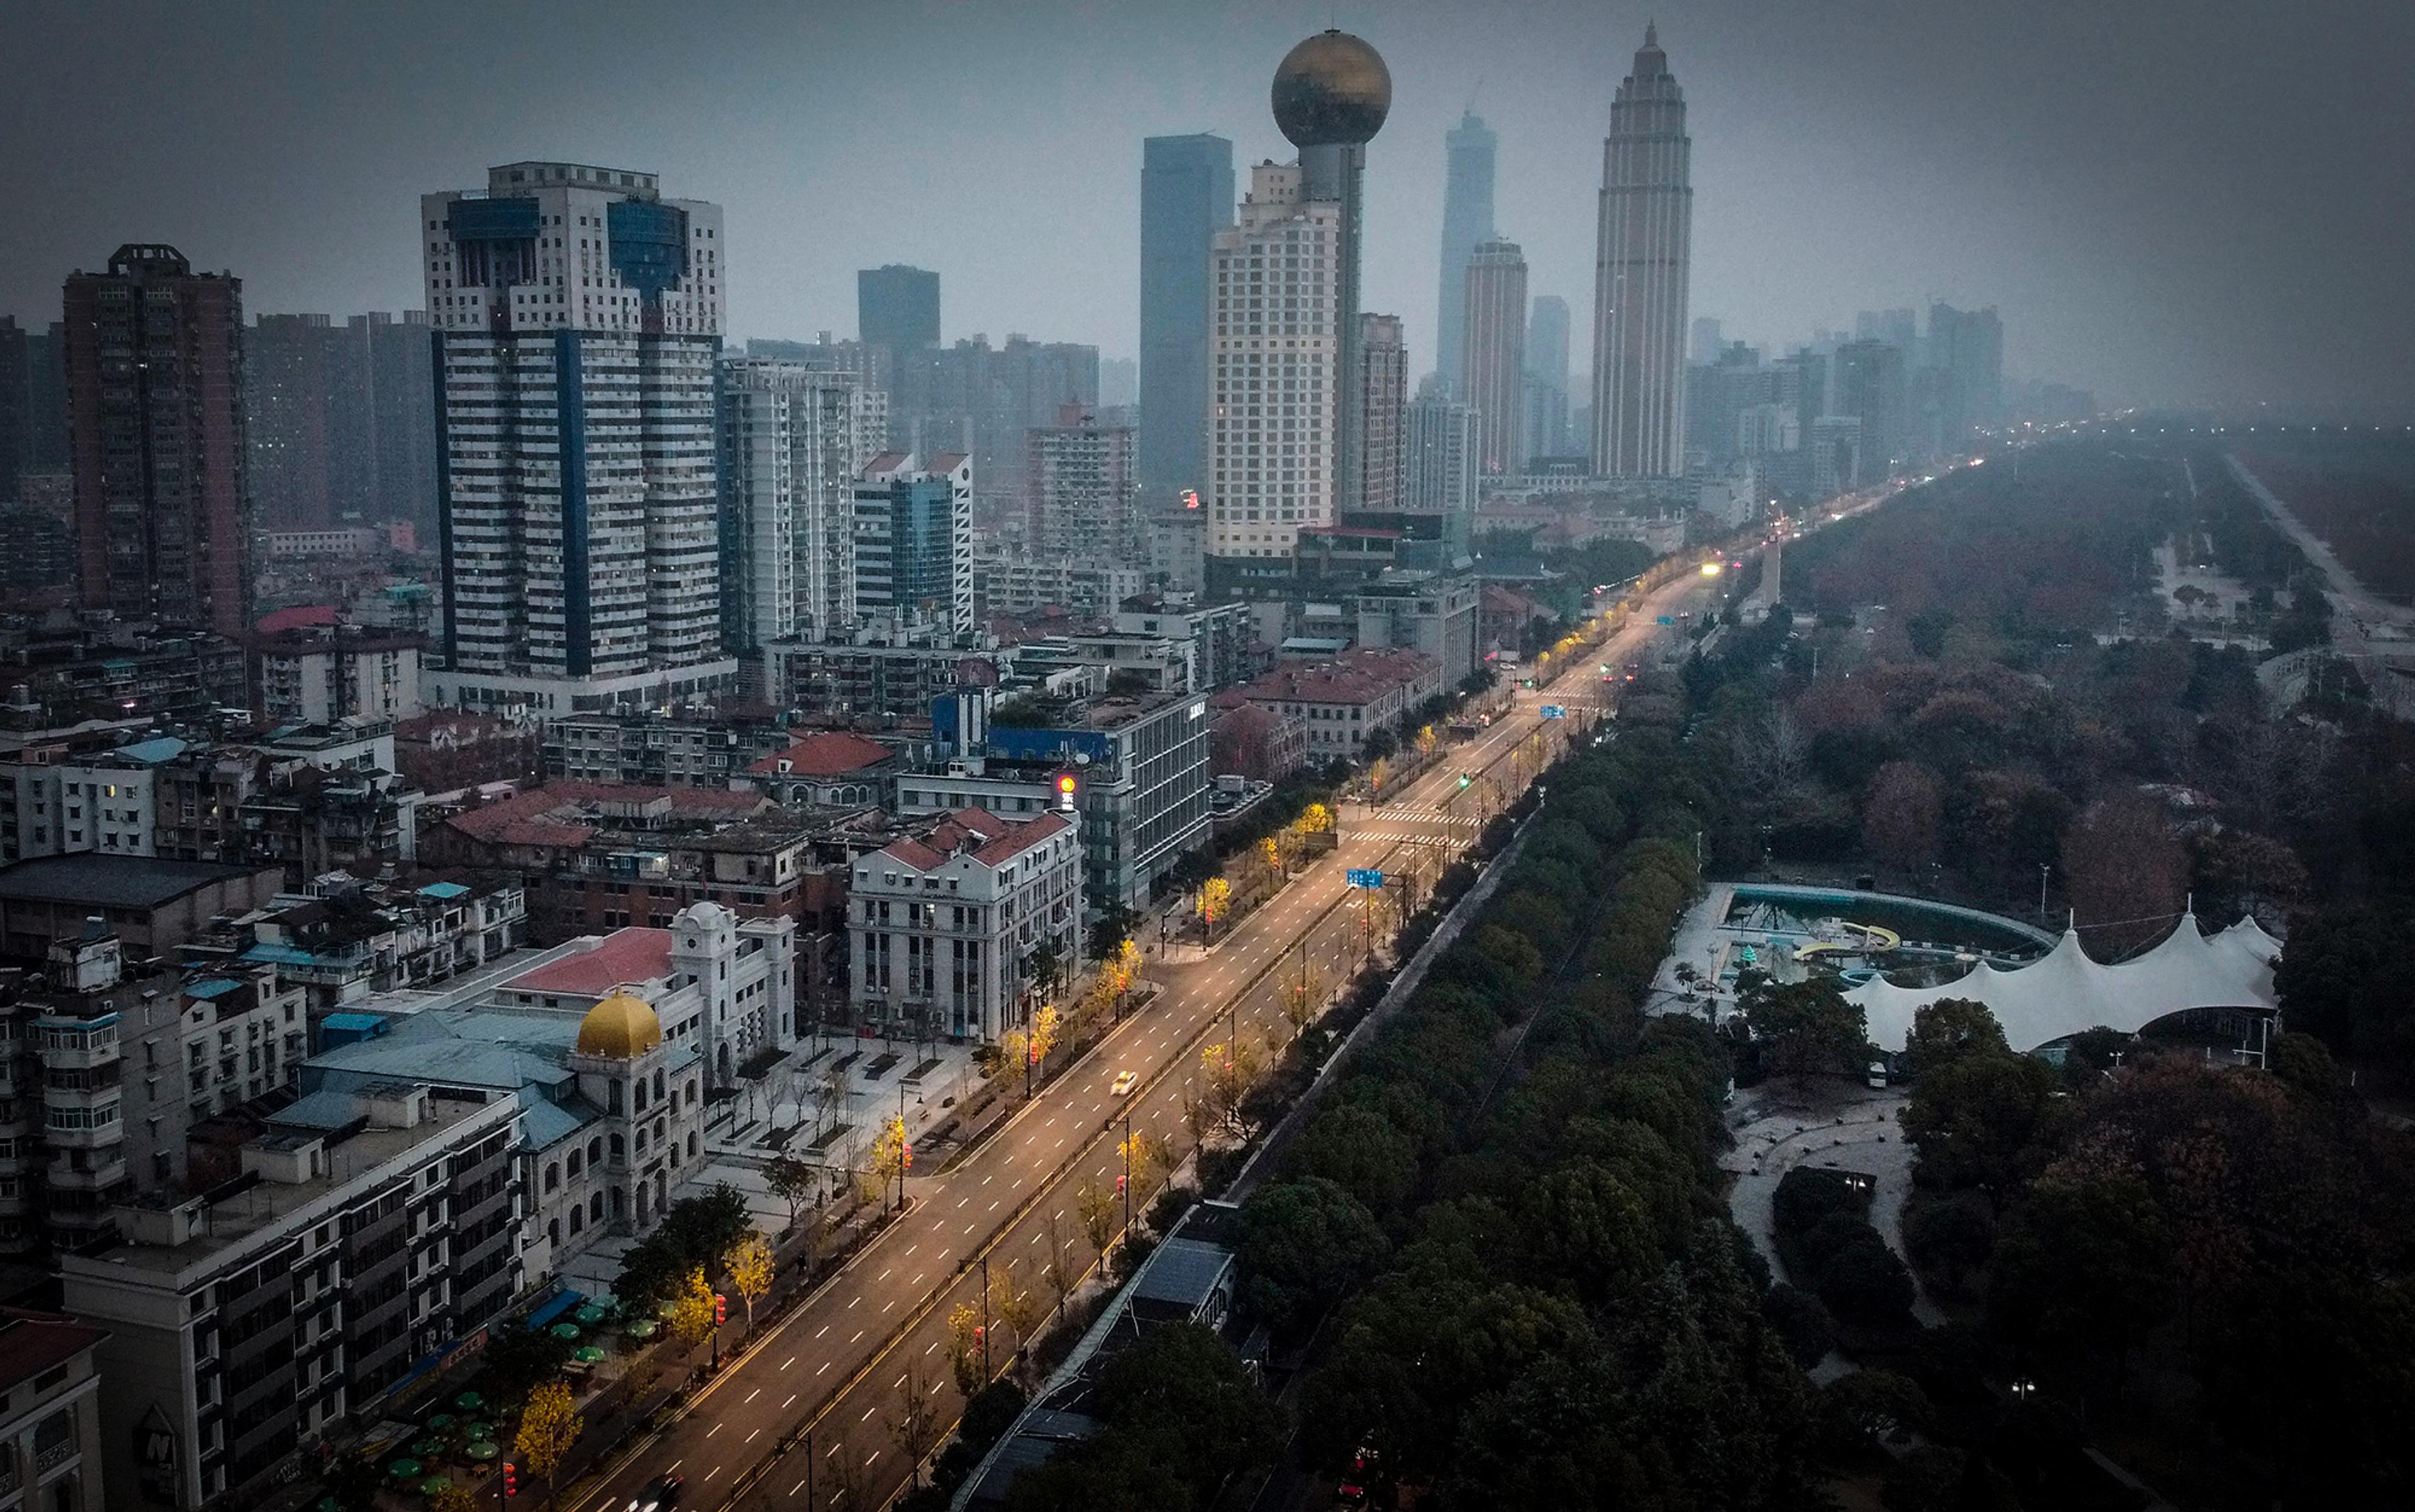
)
(1815, 123)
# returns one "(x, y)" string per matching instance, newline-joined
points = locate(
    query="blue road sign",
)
(1364, 876)
(1552, 711)
(1666, 618)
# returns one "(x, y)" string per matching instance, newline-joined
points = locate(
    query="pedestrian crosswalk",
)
(1415, 814)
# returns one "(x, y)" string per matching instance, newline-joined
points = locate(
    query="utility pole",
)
(984, 1332)
(1128, 1175)
(2043, 868)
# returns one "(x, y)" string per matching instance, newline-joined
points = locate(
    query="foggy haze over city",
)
(2169, 202)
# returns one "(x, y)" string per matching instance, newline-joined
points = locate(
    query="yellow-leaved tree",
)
(550, 1424)
(692, 1310)
(749, 1263)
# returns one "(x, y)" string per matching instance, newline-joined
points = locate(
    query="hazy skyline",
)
(2167, 202)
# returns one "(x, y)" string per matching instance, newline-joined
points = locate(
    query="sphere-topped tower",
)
(1331, 94)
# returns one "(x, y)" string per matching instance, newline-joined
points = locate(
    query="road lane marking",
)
(790, 1360)
(791, 1402)
(867, 1413)
(757, 1435)
(716, 1428)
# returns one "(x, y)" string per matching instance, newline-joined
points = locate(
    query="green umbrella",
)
(565, 1330)
(478, 1431)
(590, 1354)
(643, 1329)
(404, 1469)
(469, 1401)
(482, 1451)
(588, 1316)
(434, 1484)
(328, 1503)
(428, 1448)
(440, 1423)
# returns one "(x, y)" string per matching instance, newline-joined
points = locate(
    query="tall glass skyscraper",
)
(1186, 198)
(1640, 276)
(897, 306)
(1470, 149)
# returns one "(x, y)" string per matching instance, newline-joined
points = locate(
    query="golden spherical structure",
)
(621, 1027)
(1331, 88)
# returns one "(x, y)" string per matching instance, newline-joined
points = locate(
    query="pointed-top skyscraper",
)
(1640, 274)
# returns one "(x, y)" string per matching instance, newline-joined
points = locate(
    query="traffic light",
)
(511, 1479)
(1119, 1186)
(720, 1310)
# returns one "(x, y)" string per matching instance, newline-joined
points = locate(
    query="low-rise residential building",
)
(1346, 700)
(322, 1252)
(696, 749)
(1012, 582)
(883, 673)
(948, 921)
(51, 1451)
(121, 671)
(343, 939)
(109, 1068)
(152, 905)
(1219, 635)
(317, 675)
(548, 828)
(1253, 741)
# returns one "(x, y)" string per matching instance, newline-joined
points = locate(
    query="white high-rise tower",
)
(576, 315)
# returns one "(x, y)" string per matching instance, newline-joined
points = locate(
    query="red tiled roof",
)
(996, 841)
(300, 617)
(33, 1342)
(1355, 677)
(625, 955)
(827, 753)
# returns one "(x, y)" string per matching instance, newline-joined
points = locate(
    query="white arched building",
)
(2063, 991)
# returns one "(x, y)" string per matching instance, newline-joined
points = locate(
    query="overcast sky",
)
(2171, 201)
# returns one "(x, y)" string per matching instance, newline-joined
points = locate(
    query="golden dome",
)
(621, 1027)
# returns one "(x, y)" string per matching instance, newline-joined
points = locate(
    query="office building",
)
(1277, 369)
(578, 317)
(1493, 377)
(1141, 771)
(1706, 341)
(1330, 96)
(1469, 150)
(914, 540)
(1434, 613)
(1966, 350)
(791, 444)
(1439, 467)
(1083, 487)
(948, 922)
(1645, 242)
(155, 404)
(1547, 369)
(1384, 394)
(1186, 198)
(1869, 387)
(897, 306)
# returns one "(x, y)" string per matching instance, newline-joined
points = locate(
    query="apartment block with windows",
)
(948, 922)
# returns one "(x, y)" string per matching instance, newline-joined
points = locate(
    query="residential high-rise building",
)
(1646, 243)
(1330, 96)
(1469, 150)
(577, 318)
(1868, 386)
(1492, 374)
(792, 440)
(897, 306)
(914, 540)
(1384, 392)
(969, 396)
(1084, 489)
(1277, 369)
(1438, 466)
(155, 418)
(46, 398)
(1547, 364)
(340, 420)
(1707, 340)
(1899, 328)
(1965, 348)
(1186, 198)
(16, 407)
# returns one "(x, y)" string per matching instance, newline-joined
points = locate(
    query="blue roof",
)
(282, 955)
(317, 1110)
(554, 1307)
(161, 748)
(354, 1023)
(545, 1123)
(214, 987)
(447, 890)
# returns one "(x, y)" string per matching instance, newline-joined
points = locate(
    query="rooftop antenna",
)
(1477, 88)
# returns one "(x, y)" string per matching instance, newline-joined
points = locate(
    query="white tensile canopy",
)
(2063, 991)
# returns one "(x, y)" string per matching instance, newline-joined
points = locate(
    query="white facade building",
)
(792, 440)
(320, 681)
(946, 926)
(1275, 368)
(577, 317)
